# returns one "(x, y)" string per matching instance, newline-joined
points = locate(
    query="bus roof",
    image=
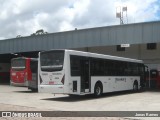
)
(96, 55)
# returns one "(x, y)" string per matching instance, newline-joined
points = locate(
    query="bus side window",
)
(109, 67)
(120, 67)
(75, 65)
(97, 67)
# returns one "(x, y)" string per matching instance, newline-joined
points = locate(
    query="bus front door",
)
(85, 78)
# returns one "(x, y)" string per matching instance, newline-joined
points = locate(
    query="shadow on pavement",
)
(153, 90)
(27, 91)
(76, 98)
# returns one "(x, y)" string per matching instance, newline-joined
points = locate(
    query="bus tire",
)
(135, 86)
(98, 89)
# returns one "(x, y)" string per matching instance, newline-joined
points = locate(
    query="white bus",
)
(78, 73)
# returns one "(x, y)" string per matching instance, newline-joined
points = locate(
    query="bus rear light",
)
(63, 79)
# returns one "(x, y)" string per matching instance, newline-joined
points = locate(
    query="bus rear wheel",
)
(98, 90)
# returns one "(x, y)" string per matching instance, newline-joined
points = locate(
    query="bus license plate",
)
(51, 83)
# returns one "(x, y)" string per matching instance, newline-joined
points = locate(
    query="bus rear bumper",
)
(56, 89)
(19, 84)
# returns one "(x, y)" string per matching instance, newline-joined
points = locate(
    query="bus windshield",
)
(52, 60)
(18, 64)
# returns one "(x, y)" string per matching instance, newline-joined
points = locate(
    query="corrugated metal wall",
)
(102, 36)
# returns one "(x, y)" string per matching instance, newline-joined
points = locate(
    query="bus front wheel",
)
(98, 90)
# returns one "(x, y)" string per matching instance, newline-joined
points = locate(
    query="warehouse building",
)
(139, 41)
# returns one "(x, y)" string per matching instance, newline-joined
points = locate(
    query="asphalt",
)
(118, 101)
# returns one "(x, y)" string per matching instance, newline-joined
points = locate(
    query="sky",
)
(24, 17)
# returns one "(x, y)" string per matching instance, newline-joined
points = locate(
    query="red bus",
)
(154, 81)
(24, 72)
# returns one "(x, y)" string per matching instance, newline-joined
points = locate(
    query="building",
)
(143, 40)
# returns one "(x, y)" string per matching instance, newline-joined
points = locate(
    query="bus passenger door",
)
(85, 78)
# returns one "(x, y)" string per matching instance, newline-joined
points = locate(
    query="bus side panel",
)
(107, 83)
(125, 83)
(74, 85)
(111, 84)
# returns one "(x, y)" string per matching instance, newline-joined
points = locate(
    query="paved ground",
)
(20, 98)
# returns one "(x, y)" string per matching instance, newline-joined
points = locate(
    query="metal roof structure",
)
(148, 32)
